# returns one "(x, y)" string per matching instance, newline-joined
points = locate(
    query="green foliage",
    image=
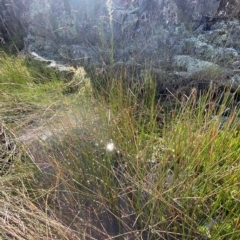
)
(167, 173)
(26, 86)
(179, 170)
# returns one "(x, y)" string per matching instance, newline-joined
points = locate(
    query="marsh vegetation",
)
(113, 160)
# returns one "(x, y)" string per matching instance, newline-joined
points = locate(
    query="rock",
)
(43, 46)
(13, 23)
(228, 8)
(51, 63)
(236, 64)
(200, 48)
(192, 65)
(62, 69)
(140, 34)
(195, 11)
(225, 34)
(234, 81)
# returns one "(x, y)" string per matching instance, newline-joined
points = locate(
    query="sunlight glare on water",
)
(110, 147)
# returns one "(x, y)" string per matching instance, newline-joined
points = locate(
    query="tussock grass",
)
(22, 219)
(25, 89)
(161, 174)
(125, 166)
(20, 216)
